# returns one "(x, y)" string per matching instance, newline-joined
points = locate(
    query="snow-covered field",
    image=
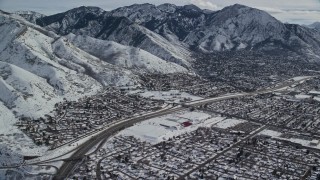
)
(299, 78)
(302, 96)
(228, 123)
(271, 133)
(162, 128)
(303, 142)
(169, 96)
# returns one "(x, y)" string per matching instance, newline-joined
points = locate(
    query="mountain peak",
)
(231, 28)
(192, 7)
(143, 4)
(167, 7)
(87, 9)
(245, 14)
(136, 6)
(238, 6)
(315, 25)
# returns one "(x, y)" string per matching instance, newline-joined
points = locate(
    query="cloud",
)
(292, 11)
(205, 4)
(271, 10)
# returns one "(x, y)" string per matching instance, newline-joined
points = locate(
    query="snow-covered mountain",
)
(99, 24)
(315, 25)
(241, 27)
(171, 32)
(39, 68)
(170, 21)
(30, 16)
(44, 59)
(235, 27)
(124, 56)
(99, 48)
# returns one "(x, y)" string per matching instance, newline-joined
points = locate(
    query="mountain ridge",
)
(39, 68)
(113, 48)
(191, 28)
(82, 52)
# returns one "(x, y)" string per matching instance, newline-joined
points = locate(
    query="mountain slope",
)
(171, 32)
(37, 70)
(304, 41)
(235, 27)
(241, 27)
(232, 28)
(95, 23)
(124, 56)
(315, 25)
(30, 16)
(170, 21)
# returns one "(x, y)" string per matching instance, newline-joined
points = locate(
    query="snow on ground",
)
(228, 95)
(7, 157)
(302, 96)
(62, 152)
(314, 92)
(194, 116)
(7, 119)
(13, 143)
(124, 56)
(41, 170)
(12, 138)
(299, 78)
(170, 96)
(162, 128)
(213, 121)
(303, 142)
(228, 123)
(2, 173)
(317, 98)
(67, 150)
(271, 133)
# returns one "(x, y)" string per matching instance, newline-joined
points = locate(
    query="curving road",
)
(68, 166)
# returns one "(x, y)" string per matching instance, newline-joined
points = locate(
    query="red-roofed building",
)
(186, 124)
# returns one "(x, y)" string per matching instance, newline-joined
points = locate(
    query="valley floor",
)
(229, 136)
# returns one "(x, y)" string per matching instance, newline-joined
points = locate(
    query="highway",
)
(68, 166)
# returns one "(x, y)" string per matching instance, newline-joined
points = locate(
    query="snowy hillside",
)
(32, 80)
(170, 21)
(124, 56)
(233, 28)
(97, 24)
(315, 25)
(236, 27)
(104, 73)
(173, 32)
(30, 16)
(109, 48)
(240, 27)
(39, 69)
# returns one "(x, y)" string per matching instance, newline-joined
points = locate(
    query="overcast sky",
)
(292, 11)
